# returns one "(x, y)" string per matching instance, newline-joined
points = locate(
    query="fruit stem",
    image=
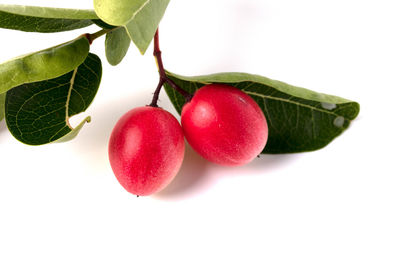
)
(157, 93)
(163, 76)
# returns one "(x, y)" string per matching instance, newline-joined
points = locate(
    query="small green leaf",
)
(38, 113)
(117, 44)
(139, 17)
(44, 19)
(2, 102)
(299, 119)
(43, 65)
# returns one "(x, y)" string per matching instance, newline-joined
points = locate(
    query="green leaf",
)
(299, 120)
(118, 12)
(38, 113)
(102, 24)
(49, 12)
(43, 65)
(44, 19)
(143, 27)
(2, 102)
(117, 44)
(139, 17)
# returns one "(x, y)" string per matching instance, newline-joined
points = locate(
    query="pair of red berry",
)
(221, 123)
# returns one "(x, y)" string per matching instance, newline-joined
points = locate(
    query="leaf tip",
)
(355, 110)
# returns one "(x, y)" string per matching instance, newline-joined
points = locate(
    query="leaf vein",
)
(291, 102)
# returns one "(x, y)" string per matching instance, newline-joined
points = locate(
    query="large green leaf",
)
(299, 120)
(44, 19)
(139, 17)
(118, 12)
(49, 12)
(43, 65)
(117, 44)
(2, 99)
(38, 113)
(144, 25)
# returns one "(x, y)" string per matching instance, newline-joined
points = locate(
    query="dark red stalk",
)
(163, 76)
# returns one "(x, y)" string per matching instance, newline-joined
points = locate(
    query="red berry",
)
(146, 150)
(224, 125)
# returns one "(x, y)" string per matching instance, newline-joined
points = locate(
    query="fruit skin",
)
(224, 125)
(146, 150)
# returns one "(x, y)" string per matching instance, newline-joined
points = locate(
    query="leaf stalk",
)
(93, 36)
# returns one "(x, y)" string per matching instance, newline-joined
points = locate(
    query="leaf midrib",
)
(138, 10)
(291, 102)
(71, 87)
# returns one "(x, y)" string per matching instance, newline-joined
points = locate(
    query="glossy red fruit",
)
(146, 150)
(224, 125)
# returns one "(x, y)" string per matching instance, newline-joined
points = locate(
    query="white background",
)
(60, 204)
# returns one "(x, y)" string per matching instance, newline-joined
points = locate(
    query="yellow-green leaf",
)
(49, 12)
(118, 12)
(44, 19)
(139, 17)
(43, 65)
